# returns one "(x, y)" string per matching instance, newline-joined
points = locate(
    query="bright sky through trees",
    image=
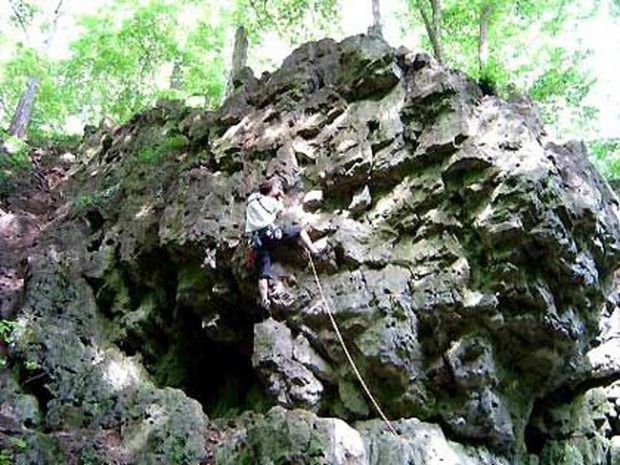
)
(595, 32)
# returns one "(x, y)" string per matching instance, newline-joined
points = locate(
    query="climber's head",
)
(271, 187)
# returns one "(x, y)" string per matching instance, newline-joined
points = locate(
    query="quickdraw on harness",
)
(258, 238)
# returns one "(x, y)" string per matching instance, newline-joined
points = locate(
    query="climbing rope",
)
(346, 351)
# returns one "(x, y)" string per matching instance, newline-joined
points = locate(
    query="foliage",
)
(605, 155)
(202, 63)
(525, 51)
(55, 141)
(295, 21)
(95, 199)
(233, 398)
(6, 337)
(6, 330)
(118, 65)
(32, 25)
(19, 443)
(14, 162)
(22, 12)
(23, 64)
(564, 84)
(157, 153)
(113, 69)
(129, 54)
(179, 454)
(88, 456)
(132, 53)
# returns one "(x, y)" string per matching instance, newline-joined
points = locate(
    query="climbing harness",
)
(269, 233)
(257, 240)
(346, 351)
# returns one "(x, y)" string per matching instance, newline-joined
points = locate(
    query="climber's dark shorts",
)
(267, 242)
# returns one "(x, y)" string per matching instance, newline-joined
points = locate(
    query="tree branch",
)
(483, 38)
(433, 34)
(376, 28)
(437, 26)
(259, 15)
(3, 105)
(265, 14)
(48, 40)
(20, 20)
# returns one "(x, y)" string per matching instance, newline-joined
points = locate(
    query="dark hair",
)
(267, 185)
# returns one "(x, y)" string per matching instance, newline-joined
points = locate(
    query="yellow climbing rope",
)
(346, 351)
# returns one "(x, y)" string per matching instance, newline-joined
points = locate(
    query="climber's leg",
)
(297, 233)
(263, 292)
(265, 272)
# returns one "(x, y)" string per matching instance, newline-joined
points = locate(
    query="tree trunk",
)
(176, 77)
(24, 109)
(23, 112)
(483, 43)
(437, 27)
(240, 58)
(377, 28)
(433, 26)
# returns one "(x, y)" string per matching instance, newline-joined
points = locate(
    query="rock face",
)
(294, 436)
(470, 267)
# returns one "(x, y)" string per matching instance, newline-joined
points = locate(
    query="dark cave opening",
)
(186, 339)
(534, 440)
(35, 382)
(219, 374)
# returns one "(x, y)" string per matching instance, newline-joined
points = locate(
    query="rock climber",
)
(261, 212)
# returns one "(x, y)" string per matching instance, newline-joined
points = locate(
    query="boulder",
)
(294, 436)
(472, 288)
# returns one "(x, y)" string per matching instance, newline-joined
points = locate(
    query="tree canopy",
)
(121, 57)
(129, 54)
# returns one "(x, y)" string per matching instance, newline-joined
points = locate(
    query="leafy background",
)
(112, 58)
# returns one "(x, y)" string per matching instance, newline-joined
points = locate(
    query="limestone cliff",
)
(470, 270)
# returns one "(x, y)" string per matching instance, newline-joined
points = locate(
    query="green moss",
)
(14, 162)
(6, 458)
(170, 368)
(191, 277)
(148, 155)
(193, 289)
(233, 399)
(179, 454)
(155, 153)
(174, 143)
(122, 297)
(245, 457)
(561, 453)
(33, 448)
(96, 199)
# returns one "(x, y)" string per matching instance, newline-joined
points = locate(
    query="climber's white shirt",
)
(261, 211)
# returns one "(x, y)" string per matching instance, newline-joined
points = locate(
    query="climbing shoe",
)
(322, 254)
